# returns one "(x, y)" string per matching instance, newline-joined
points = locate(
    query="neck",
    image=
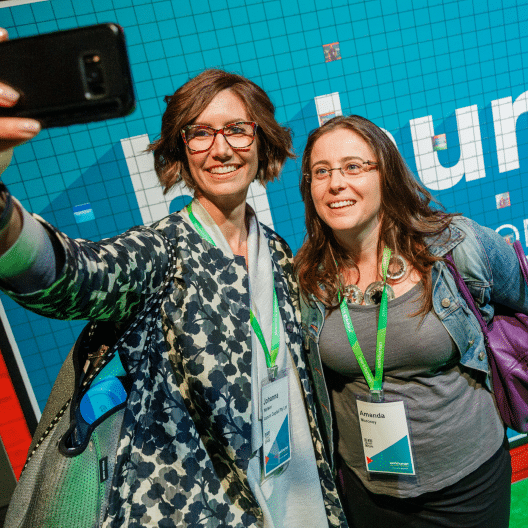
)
(362, 247)
(231, 218)
(364, 252)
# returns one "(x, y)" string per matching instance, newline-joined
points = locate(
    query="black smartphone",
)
(68, 77)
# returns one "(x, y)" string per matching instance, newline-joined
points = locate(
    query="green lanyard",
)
(271, 357)
(199, 227)
(375, 383)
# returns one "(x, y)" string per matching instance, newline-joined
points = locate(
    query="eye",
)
(238, 129)
(352, 167)
(201, 132)
(320, 173)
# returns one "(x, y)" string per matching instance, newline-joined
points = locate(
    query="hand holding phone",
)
(67, 77)
(13, 130)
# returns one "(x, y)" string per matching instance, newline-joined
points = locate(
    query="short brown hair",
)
(190, 100)
(406, 217)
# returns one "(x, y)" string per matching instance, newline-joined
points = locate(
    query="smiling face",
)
(350, 206)
(222, 175)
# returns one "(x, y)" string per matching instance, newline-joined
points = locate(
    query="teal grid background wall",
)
(417, 69)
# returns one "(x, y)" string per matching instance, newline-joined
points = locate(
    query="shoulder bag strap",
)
(464, 290)
(522, 259)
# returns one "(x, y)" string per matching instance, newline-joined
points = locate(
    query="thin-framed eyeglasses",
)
(200, 138)
(351, 169)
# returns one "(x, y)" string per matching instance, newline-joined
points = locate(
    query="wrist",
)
(10, 218)
(6, 207)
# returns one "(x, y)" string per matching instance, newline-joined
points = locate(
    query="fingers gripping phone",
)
(67, 77)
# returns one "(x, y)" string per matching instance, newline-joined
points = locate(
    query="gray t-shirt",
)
(453, 421)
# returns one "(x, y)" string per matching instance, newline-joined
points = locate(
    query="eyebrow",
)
(342, 160)
(230, 122)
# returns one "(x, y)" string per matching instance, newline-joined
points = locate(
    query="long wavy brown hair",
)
(406, 218)
(190, 100)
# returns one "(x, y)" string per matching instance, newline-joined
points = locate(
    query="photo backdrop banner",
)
(445, 79)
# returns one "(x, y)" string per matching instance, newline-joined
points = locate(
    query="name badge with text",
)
(385, 437)
(275, 425)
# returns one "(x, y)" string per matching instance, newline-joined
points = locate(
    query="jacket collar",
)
(440, 245)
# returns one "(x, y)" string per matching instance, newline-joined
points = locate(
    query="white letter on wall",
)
(505, 115)
(509, 226)
(471, 162)
(153, 204)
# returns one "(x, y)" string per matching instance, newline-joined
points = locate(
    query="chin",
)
(341, 224)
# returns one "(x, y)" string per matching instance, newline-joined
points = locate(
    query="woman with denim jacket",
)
(197, 446)
(399, 364)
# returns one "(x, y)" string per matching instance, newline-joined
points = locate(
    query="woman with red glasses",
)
(219, 427)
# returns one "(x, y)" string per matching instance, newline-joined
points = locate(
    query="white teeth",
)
(344, 203)
(223, 170)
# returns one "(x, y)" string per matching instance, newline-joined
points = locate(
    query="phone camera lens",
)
(94, 75)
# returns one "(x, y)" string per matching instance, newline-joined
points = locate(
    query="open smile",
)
(223, 169)
(341, 204)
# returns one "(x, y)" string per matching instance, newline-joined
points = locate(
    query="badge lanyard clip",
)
(376, 396)
(271, 356)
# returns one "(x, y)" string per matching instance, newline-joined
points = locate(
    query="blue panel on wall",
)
(432, 69)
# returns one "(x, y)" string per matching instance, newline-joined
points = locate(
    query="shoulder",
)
(462, 232)
(174, 228)
(479, 252)
(480, 239)
(276, 242)
(173, 221)
(282, 257)
(469, 227)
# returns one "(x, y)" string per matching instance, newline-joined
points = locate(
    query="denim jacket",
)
(491, 270)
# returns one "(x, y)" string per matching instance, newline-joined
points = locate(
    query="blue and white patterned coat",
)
(186, 439)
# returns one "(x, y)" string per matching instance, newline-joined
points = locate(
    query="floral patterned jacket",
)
(186, 438)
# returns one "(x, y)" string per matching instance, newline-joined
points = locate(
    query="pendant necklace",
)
(373, 293)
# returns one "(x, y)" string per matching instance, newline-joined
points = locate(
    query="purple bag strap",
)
(522, 259)
(464, 290)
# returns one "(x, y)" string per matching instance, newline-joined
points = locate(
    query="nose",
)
(221, 148)
(337, 180)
